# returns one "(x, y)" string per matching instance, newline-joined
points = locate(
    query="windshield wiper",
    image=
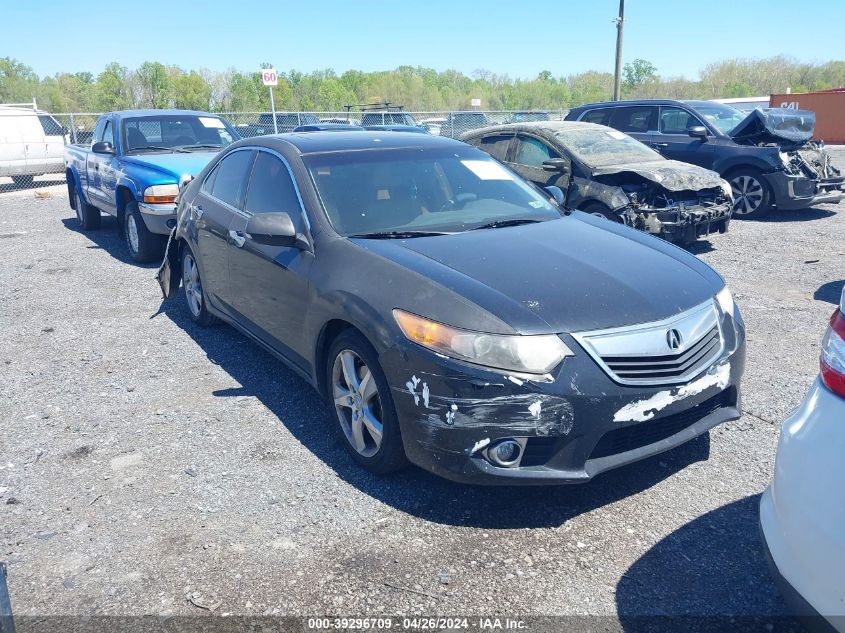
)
(497, 224)
(199, 146)
(158, 148)
(397, 235)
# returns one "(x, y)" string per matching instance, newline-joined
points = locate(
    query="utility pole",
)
(617, 77)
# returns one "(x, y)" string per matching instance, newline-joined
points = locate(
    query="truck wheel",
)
(88, 215)
(23, 182)
(144, 246)
(194, 293)
(752, 196)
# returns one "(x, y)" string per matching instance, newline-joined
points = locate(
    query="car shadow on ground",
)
(109, 238)
(709, 575)
(831, 292)
(298, 406)
(794, 215)
(699, 247)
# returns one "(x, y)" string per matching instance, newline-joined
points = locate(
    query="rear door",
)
(527, 160)
(637, 121)
(35, 143)
(672, 138)
(269, 284)
(12, 148)
(218, 201)
(54, 143)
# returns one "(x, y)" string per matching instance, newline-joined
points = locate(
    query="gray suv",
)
(766, 155)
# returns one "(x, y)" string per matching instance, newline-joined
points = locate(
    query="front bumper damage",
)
(681, 223)
(807, 178)
(571, 426)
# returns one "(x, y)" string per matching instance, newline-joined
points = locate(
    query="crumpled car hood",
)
(784, 124)
(672, 175)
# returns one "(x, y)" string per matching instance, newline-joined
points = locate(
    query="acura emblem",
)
(673, 339)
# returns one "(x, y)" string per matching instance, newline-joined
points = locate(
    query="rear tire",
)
(193, 290)
(361, 405)
(23, 182)
(752, 195)
(87, 215)
(144, 246)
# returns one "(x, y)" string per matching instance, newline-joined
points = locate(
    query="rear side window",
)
(532, 152)
(231, 177)
(676, 121)
(271, 189)
(600, 116)
(496, 146)
(633, 119)
(50, 126)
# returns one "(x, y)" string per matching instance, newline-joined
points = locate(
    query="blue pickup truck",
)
(133, 169)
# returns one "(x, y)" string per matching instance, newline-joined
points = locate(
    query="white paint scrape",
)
(479, 445)
(643, 410)
(535, 408)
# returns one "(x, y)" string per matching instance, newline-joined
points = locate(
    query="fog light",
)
(505, 453)
(170, 223)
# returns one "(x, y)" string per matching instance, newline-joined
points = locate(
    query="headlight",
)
(725, 301)
(161, 194)
(523, 354)
(727, 189)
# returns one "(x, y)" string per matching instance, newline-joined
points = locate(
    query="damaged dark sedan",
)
(450, 314)
(609, 174)
(767, 155)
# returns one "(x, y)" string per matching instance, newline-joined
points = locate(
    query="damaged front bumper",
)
(570, 426)
(684, 224)
(793, 191)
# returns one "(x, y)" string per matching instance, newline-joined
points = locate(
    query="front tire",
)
(87, 215)
(193, 289)
(752, 195)
(361, 405)
(144, 246)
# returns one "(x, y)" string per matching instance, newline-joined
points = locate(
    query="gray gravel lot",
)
(144, 460)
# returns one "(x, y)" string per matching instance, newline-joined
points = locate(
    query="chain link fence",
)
(32, 142)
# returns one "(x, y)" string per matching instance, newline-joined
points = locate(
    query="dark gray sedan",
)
(609, 174)
(450, 313)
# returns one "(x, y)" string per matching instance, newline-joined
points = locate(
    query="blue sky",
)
(514, 37)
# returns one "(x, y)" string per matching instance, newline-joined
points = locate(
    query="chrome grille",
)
(642, 354)
(669, 366)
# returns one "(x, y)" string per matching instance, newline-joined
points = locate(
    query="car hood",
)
(573, 274)
(672, 175)
(176, 164)
(775, 124)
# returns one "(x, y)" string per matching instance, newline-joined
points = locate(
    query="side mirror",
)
(272, 229)
(102, 147)
(557, 194)
(697, 131)
(556, 164)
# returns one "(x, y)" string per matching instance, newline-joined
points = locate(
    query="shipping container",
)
(829, 106)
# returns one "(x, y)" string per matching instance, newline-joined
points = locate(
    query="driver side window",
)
(676, 121)
(531, 152)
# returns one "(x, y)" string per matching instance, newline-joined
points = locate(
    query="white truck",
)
(31, 143)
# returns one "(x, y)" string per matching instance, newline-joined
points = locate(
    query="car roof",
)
(535, 126)
(342, 141)
(165, 112)
(631, 102)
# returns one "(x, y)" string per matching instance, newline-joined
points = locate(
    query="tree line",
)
(156, 85)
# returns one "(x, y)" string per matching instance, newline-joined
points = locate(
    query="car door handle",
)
(660, 145)
(238, 238)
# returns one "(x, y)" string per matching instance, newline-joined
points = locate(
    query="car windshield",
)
(180, 132)
(723, 117)
(597, 146)
(381, 192)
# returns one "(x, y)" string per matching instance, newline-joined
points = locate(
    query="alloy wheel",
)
(357, 403)
(192, 284)
(748, 194)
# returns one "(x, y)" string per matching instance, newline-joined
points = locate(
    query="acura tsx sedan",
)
(451, 314)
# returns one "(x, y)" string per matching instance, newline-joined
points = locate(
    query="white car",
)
(802, 512)
(32, 143)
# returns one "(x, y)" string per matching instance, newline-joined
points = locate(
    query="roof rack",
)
(32, 104)
(381, 107)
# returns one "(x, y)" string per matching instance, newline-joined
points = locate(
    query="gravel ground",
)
(148, 466)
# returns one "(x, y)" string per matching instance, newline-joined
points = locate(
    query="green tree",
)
(190, 92)
(18, 83)
(638, 73)
(111, 90)
(154, 84)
